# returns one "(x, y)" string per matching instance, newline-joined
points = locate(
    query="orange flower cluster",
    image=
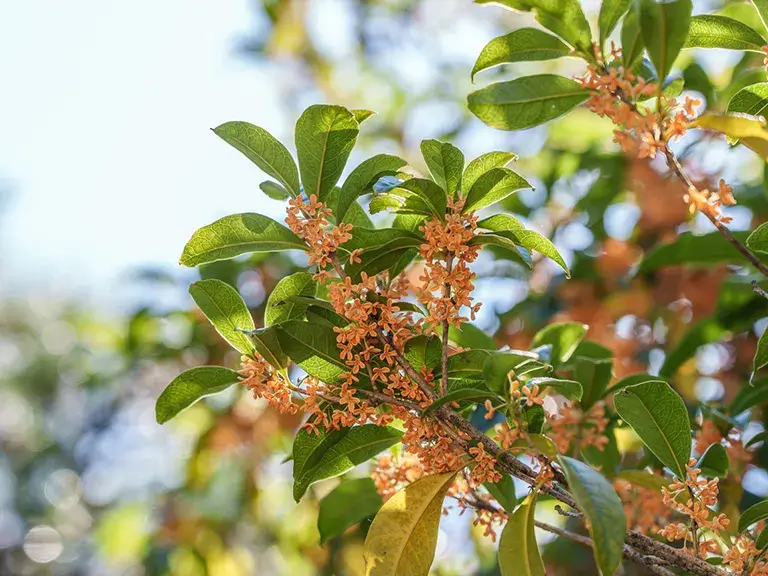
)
(740, 558)
(698, 507)
(393, 474)
(710, 203)
(571, 425)
(765, 59)
(309, 221)
(738, 455)
(644, 508)
(265, 382)
(447, 281)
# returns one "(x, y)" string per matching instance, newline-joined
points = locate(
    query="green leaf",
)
(758, 240)
(762, 10)
(492, 187)
(382, 258)
(423, 351)
(751, 132)
(601, 506)
(325, 136)
(445, 163)
(463, 395)
(664, 26)
(563, 17)
(346, 505)
(631, 381)
(281, 306)
(696, 78)
(611, 12)
(753, 514)
(309, 448)
(362, 179)
(266, 342)
(264, 150)
(762, 540)
(714, 462)
(518, 551)
(511, 227)
(362, 115)
(631, 40)
(225, 309)
(712, 31)
(689, 249)
(564, 337)
(526, 102)
(433, 196)
(274, 190)
(534, 418)
(659, 417)
(542, 443)
(503, 492)
(496, 367)
(644, 479)
(594, 376)
(235, 235)
(749, 396)
(482, 164)
(370, 238)
(359, 444)
(470, 336)
(189, 387)
(761, 355)
(759, 437)
(467, 364)
(313, 347)
(402, 539)
(511, 250)
(522, 45)
(568, 388)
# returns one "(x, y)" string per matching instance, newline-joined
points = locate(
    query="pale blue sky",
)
(104, 140)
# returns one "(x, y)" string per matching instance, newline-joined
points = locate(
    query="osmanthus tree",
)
(373, 342)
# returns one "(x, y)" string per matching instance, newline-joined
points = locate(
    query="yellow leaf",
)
(748, 130)
(518, 552)
(402, 538)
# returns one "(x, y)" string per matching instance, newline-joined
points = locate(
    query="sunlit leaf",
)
(659, 417)
(713, 31)
(483, 164)
(264, 150)
(664, 26)
(189, 387)
(235, 235)
(313, 347)
(280, 306)
(362, 115)
(611, 12)
(496, 367)
(758, 239)
(325, 136)
(526, 102)
(518, 551)
(346, 505)
(751, 132)
(359, 444)
(362, 179)
(274, 190)
(402, 539)
(225, 309)
(521, 45)
(631, 40)
(568, 388)
(432, 195)
(749, 396)
(564, 337)
(492, 187)
(761, 355)
(445, 163)
(603, 509)
(762, 10)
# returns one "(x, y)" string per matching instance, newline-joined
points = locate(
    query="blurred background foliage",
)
(90, 484)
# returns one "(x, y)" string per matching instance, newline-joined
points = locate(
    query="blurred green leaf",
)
(568, 388)
(470, 336)
(689, 249)
(611, 12)
(463, 395)
(274, 190)
(594, 376)
(631, 39)
(346, 505)
(564, 337)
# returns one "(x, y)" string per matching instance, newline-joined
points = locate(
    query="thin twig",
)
(758, 290)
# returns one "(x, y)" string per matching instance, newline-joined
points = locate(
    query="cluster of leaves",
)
(298, 330)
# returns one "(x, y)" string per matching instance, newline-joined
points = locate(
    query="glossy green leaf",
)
(359, 444)
(526, 102)
(492, 187)
(445, 163)
(503, 492)
(481, 165)
(762, 540)
(362, 178)
(714, 462)
(659, 417)
(325, 136)
(189, 387)
(467, 364)
(518, 551)
(758, 239)
(310, 447)
(346, 505)
(594, 376)
(631, 40)
(511, 251)
(540, 442)
(362, 115)
(689, 249)
(464, 395)
(470, 336)
(423, 351)
(281, 306)
(753, 514)
(713, 31)
(664, 26)
(313, 347)
(563, 17)
(564, 337)
(274, 190)
(496, 367)
(514, 229)
(235, 235)
(264, 150)
(611, 12)
(267, 343)
(534, 418)
(696, 78)
(601, 506)
(762, 10)
(568, 388)
(521, 45)
(402, 539)
(432, 195)
(225, 309)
